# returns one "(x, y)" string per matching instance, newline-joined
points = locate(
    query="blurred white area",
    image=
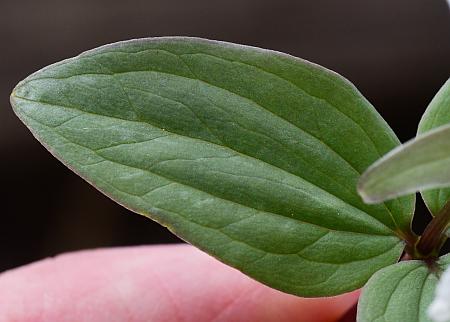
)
(439, 310)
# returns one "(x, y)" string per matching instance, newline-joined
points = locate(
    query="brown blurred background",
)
(396, 52)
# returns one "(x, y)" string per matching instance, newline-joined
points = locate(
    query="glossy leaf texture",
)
(437, 114)
(420, 164)
(400, 292)
(251, 155)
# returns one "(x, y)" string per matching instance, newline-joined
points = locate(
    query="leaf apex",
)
(364, 193)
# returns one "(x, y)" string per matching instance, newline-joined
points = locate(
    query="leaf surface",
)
(249, 154)
(400, 292)
(437, 114)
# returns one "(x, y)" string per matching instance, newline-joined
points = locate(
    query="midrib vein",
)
(323, 143)
(202, 141)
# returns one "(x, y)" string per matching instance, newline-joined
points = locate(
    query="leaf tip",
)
(365, 193)
(12, 97)
(369, 199)
(15, 94)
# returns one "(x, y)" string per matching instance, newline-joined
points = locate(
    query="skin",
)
(150, 283)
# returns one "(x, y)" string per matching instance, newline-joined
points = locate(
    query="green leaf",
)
(249, 154)
(420, 164)
(400, 292)
(437, 114)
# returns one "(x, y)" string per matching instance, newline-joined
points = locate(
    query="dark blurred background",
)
(396, 52)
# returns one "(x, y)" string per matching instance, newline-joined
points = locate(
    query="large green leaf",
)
(400, 292)
(420, 164)
(249, 154)
(437, 114)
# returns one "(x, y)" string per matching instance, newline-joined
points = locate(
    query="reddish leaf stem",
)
(434, 235)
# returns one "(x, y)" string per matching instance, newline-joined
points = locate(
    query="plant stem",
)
(411, 240)
(434, 235)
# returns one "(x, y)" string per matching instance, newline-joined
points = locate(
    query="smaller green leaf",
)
(400, 292)
(422, 163)
(437, 114)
